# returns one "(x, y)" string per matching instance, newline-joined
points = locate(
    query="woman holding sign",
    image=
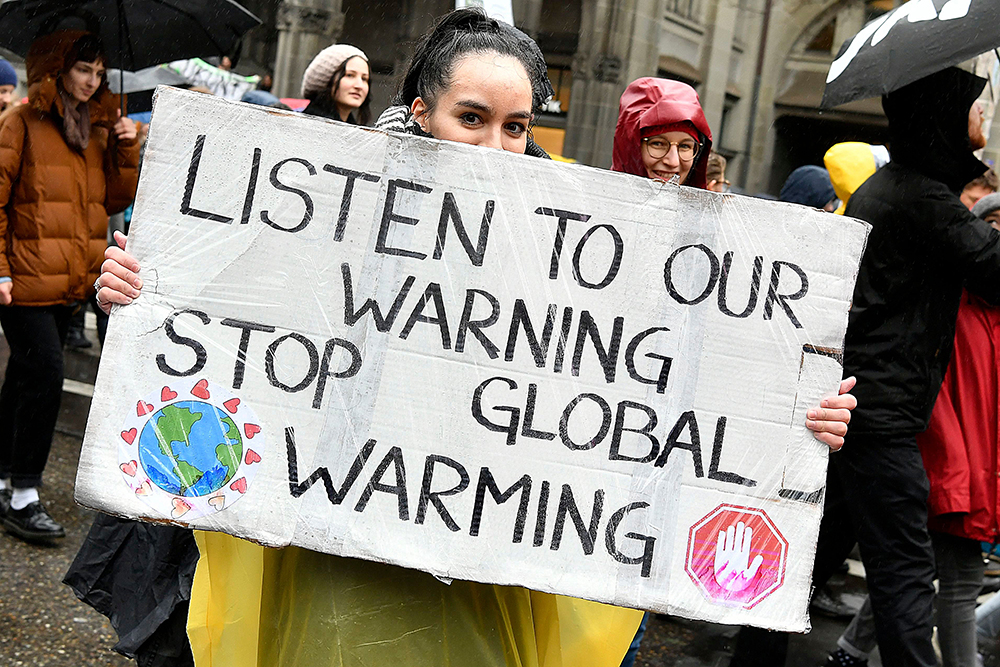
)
(476, 81)
(67, 159)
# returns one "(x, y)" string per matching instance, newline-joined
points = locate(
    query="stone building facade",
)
(758, 65)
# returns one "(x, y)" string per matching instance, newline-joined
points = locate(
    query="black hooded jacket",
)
(924, 246)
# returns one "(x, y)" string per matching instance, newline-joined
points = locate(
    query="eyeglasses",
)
(658, 148)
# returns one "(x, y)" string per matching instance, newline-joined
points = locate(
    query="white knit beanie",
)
(322, 67)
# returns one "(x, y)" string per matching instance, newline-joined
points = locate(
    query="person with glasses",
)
(662, 133)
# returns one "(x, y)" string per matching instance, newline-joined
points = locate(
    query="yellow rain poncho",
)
(257, 607)
(850, 164)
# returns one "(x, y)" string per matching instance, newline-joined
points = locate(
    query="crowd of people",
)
(914, 483)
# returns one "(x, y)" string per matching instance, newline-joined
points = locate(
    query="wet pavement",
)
(42, 624)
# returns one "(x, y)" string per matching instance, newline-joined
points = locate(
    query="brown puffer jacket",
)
(55, 200)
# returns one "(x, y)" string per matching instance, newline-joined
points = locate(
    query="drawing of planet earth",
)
(190, 448)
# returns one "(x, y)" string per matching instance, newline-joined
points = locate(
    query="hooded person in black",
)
(923, 247)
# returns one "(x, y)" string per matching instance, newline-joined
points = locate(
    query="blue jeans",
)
(629, 658)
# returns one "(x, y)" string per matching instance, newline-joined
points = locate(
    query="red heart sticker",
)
(251, 430)
(142, 408)
(252, 457)
(144, 489)
(239, 485)
(181, 507)
(167, 394)
(201, 390)
(231, 405)
(129, 468)
(129, 435)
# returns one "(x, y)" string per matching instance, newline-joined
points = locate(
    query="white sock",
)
(4, 483)
(23, 497)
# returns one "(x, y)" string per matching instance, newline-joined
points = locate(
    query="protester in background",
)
(662, 133)
(717, 173)
(959, 451)
(67, 159)
(8, 83)
(810, 186)
(924, 246)
(850, 164)
(986, 184)
(988, 208)
(336, 83)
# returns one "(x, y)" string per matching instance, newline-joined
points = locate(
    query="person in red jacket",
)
(959, 450)
(662, 133)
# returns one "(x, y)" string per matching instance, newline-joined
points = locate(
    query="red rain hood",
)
(649, 103)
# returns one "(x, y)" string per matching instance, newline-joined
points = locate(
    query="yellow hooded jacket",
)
(850, 164)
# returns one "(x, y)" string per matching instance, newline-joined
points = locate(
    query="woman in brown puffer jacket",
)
(67, 160)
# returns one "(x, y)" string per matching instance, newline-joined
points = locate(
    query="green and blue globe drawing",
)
(190, 448)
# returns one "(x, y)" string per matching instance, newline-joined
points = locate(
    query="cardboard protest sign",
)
(483, 365)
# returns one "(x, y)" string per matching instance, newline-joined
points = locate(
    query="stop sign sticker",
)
(736, 556)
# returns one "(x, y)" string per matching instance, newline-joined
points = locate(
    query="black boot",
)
(32, 523)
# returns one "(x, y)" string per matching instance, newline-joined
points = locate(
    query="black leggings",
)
(32, 389)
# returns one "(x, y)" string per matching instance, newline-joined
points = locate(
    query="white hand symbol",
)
(733, 569)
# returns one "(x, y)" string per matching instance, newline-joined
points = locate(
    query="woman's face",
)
(83, 79)
(668, 154)
(487, 103)
(353, 87)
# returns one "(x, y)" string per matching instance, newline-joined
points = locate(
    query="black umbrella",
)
(919, 38)
(137, 33)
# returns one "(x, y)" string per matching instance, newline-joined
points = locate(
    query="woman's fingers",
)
(112, 284)
(834, 427)
(846, 401)
(122, 258)
(120, 239)
(130, 283)
(839, 415)
(834, 442)
(847, 384)
(125, 128)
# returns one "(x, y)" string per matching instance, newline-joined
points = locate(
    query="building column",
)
(850, 21)
(528, 16)
(720, 54)
(305, 27)
(619, 42)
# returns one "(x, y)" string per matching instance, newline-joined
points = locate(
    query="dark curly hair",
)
(465, 31)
